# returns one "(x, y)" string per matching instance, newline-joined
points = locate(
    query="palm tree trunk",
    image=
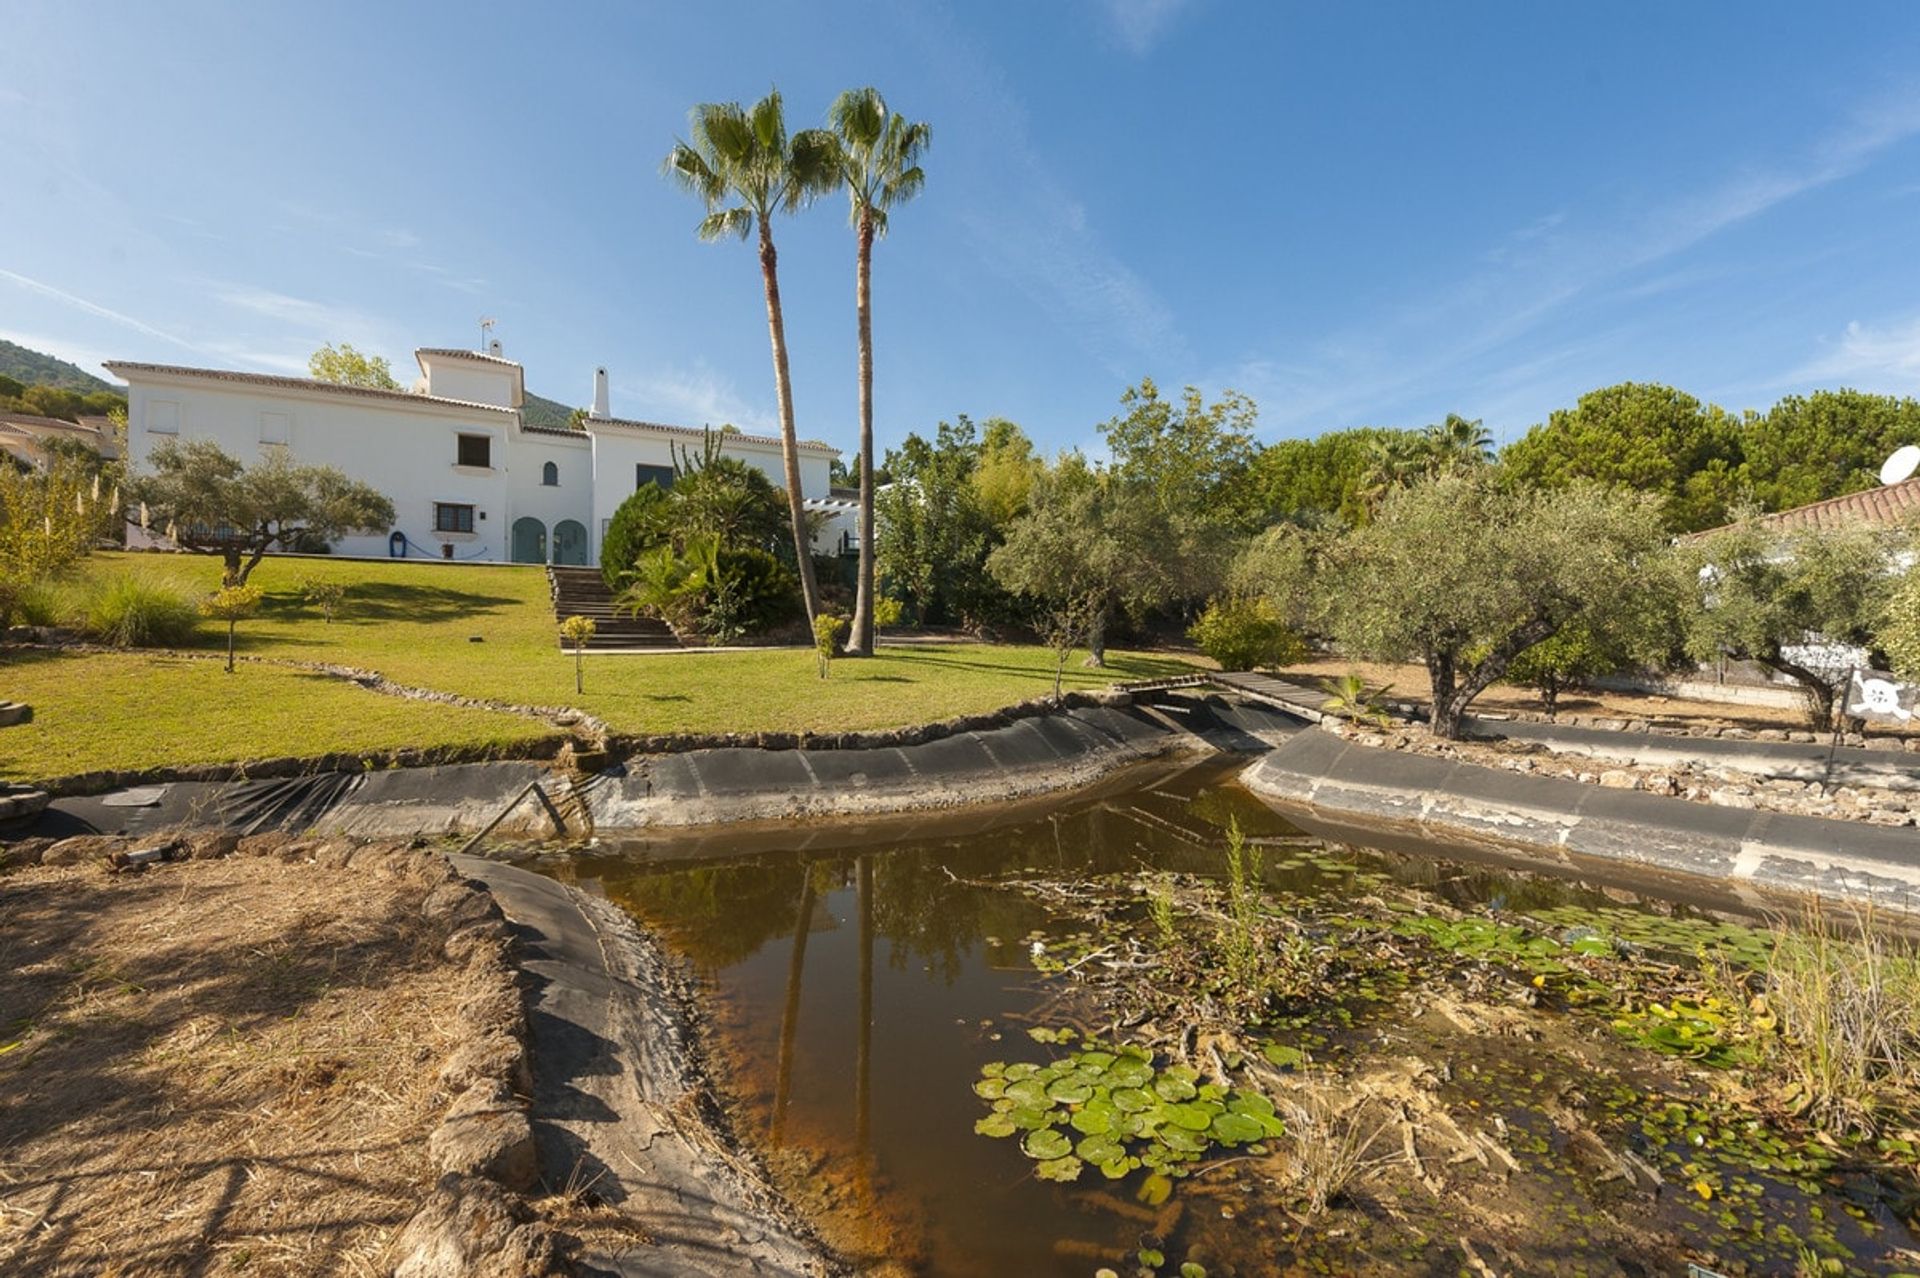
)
(790, 1017)
(789, 442)
(861, 642)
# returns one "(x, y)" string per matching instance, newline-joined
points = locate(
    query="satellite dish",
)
(1900, 465)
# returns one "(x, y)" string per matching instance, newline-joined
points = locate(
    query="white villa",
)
(468, 477)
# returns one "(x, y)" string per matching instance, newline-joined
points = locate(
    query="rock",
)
(1619, 779)
(1729, 798)
(457, 903)
(494, 1057)
(487, 1133)
(470, 1228)
(82, 847)
(1884, 743)
(23, 852)
(1661, 783)
(212, 845)
(1771, 734)
(473, 938)
(1802, 737)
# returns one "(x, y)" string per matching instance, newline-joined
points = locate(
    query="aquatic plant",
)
(1240, 939)
(1109, 1107)
(1331, 1147)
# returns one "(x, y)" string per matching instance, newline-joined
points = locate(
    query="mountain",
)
(536, 410)
(31, 368)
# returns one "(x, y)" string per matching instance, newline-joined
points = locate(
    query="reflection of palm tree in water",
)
(863, 1061)
(790, 1020)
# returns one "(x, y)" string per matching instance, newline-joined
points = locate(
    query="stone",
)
(1886, 816)
(487, 1133)
(473, 938)
(1661, 783)
(82, 847)
(1729, 798)
(23, 852)
(493, 1057)
(1770, 734)
(1619, 779)
(211, 845)
(264, 844)
(457, 904)
(1884, 743)
(469, 1228)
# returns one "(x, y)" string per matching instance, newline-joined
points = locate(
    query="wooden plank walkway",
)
(1292, 697)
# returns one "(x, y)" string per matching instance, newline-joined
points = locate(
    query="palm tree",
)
(879, 157)
(746, 168)
(1458, 444)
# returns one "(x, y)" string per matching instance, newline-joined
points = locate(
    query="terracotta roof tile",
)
(699, 432)
(1887, 506)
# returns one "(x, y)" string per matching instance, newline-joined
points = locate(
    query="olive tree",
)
(1088, 544)
(1464, 574)
(213, 505)
(1802, 602)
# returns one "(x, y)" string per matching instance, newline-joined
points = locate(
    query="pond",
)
(1021, 1043)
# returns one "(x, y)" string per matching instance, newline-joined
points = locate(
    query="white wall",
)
(453, 378)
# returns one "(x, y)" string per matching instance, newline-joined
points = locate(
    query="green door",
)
(529, 541)
(570, 542)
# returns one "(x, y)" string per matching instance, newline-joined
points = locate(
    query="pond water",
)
(861, 978)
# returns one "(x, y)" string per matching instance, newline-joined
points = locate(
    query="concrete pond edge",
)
(1445, 801)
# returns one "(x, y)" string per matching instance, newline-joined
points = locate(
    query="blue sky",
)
(1358, 215)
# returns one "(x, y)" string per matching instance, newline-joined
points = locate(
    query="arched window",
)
(550, 475)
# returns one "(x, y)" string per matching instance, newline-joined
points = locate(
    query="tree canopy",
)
(209, 503)
(346, 366)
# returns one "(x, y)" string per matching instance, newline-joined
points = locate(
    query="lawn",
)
(481, 631)
(143, 710)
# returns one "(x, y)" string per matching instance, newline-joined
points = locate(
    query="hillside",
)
(537, 410)
(31, 368)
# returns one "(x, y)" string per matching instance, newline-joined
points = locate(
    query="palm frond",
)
(736, 221)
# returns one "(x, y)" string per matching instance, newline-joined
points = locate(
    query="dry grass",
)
(1332, 1146)
(1847, 997)
(216, 1067)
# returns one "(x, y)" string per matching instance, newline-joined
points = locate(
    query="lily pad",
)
(1100, 1149)
(1064, 1170)
(1045, 1143)
(1131, 1100)
(1129, 1071)
(1170, 1087)
(1236, 1129)
(996, 1125)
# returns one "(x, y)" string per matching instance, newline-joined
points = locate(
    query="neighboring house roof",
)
(1888, 506)
(27, 429)
(834, 504)
(805, 445)
(450, 352)
(122, 368)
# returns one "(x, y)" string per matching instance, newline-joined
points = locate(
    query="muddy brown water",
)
(860, 975)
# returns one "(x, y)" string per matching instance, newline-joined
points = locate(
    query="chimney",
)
(495, 349)
(600, 394)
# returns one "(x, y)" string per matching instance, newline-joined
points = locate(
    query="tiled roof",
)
(121, 368)
(47, 423)
(1887, 506)
(451, 352)
(806, 445)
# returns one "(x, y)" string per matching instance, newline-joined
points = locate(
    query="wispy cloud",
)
(1139, 24)
(91, 308)
(1539, 273)
(1023, 224)
(321, 318)
(692, 396)
(1881, 357)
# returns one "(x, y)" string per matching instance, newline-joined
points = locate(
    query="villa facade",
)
(469, 478)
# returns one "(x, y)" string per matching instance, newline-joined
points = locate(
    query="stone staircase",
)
(583, 592)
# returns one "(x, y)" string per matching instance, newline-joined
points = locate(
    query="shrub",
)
(827, 630)
(323, 594)
(231, 604)
(1246, 634)
(135, 612)
(887, 611)
(637, 526)
(760, 591)
(40, 603)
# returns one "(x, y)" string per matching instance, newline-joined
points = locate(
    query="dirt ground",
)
(216, 1067)
(1410, 682)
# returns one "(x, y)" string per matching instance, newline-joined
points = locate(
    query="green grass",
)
(144, 710)
(416, 623)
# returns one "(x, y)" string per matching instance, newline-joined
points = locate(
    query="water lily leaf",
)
(996, 1125)
(993, 1069)
(1100, 1149)
(1129, 1071)
(990, 1088)
(1064, 1170)
(1131, 1100)
(1195, 1118)
(1251, 1103)
(1099, 1060)
(1192, 1270)
(1023, 1069)
(1284, 1056)
(1154, 1190)
(1118, 1168)
(1045, 1143)
(1095, 1119)
(1028, 1118)
(1184, 1140)
(1069, 1091)
(1236, 1129)
(1029, 1091)
(1150, 1258)
(1173, 1088)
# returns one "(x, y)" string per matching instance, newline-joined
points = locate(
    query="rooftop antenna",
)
(486, 329)
(1901, 465)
